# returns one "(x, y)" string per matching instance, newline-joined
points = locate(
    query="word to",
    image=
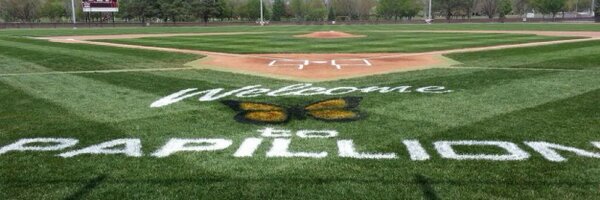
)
(291, 90)
(280, 141)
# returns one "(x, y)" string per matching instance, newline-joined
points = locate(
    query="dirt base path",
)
(321, 67)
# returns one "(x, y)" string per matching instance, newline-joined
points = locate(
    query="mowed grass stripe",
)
(567, 121)
(95, 49)
(57, 178)
(91, 99)
(478, 103)
(85, 57)
(52, 60)
(93, 132)
(9, 64)
(579, 55)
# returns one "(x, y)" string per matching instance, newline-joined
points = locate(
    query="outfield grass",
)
(521, 103)
(580, 55)
(372, 43)
(385, 27)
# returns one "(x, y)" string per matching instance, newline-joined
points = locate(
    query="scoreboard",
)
(100, 5)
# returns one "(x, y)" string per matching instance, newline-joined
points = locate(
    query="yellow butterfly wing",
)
(258, 113)
(336, 115)
(335, 103)
(336, 109)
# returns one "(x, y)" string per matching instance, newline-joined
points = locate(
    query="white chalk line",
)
(335, 63)
(526, 69)
(99, 71)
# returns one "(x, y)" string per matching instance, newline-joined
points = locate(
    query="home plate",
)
(302, 63)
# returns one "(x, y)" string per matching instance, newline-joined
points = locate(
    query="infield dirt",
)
(322, 67)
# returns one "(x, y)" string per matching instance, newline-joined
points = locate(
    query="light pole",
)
(429, 18)
(73, 14)
(592, 13)
(262, 19)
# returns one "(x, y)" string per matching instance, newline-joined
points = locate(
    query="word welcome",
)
(291, 90)
(280, 141)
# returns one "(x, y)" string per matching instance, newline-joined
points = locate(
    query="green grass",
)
(386, 27)
(23, 55)
(580, 55)
(518, 104)
(373, 43)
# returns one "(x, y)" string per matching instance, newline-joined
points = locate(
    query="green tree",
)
(389, 9)
(140, 9)
(174, 10)
(550, 6)
(224, 9)
(504, 8)
(396, 9)
(298, 9)
(316, 10)
(278, 10)
(205, 9)
(410, 8)
(53, 10)
(331, 14)
(252, 10)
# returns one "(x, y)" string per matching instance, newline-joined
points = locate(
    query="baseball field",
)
(441, 111)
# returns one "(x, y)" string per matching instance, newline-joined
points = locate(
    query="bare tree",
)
(521, 7)
(364, 8)
(490, 8)
(346, 8)
(451, 8)
(21, 10)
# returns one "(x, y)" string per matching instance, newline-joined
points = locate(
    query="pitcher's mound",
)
(329, 35)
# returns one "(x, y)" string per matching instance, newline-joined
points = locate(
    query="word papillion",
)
(280, 141)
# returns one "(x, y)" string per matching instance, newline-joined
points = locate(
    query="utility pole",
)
(262, 19)
(73, 14)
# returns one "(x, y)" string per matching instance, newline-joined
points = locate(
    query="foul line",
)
(99, 71)
(526, 69)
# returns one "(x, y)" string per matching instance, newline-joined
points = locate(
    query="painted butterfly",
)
(331, 110)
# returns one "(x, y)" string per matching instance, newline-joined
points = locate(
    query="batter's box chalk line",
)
(337, 63)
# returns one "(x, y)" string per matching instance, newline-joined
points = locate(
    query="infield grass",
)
(516, 105)
(379, 42)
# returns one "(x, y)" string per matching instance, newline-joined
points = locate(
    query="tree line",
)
(287, 10)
